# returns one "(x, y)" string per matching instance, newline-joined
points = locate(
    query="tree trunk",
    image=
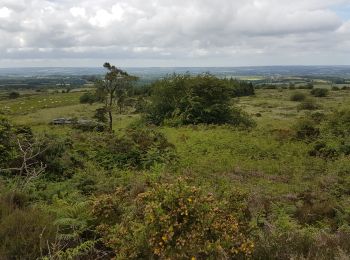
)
(110, 120)
(110, 112)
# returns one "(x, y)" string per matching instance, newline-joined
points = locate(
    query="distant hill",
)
(156, 72)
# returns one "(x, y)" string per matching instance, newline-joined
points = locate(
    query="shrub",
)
(6, 142)
(193, 100)
(88, 98)
(286, 239)
(306, 129)
(101, 115)
(14, 95)
(339, 123)
(240, 88)
(321, 149)
(297, 96)
(335, 88)
(138, 148)
(318, 117)
(24, 232)
(319, 92)
(308, 104)
(171, 221)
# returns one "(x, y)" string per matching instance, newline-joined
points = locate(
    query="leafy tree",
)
(182, 99)
(113, 89)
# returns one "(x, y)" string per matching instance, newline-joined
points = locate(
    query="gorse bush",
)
(204, 99)
(306, 129)
(319, 92)
(297, 96)
(308, 104)
(339, 123)
(14, 95)
(170, 221)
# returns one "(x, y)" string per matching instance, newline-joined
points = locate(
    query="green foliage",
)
(286, 239)
(114, 89)
(174, 221)
(319, 92)
(282, 186)
(182, 99)
(88, 98)
(297, 96)
(308, 104)
(14, 95)
(24, 232)
(306, 129)
(138, 148)
(6, 142)
(339, 123)
(101, 115)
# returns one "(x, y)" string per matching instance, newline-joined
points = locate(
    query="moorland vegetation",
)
(189, 167)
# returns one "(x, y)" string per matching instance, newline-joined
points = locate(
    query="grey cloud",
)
(188, 30)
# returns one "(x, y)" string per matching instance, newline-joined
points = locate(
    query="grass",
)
(267, 161)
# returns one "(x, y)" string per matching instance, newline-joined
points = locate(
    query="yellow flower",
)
(193, 258)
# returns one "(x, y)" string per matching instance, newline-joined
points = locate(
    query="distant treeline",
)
(36, 82)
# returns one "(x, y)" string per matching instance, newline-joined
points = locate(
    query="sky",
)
(173, 33)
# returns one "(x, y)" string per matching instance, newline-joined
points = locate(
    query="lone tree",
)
(114, 89)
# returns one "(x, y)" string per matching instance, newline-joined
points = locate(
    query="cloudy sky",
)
(174, 32)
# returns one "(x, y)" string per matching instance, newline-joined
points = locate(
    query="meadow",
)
(290, 203)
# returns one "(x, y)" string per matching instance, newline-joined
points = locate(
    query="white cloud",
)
(78, 12)
(5, 12)
(175, 32)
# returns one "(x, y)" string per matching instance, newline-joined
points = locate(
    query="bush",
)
(319, 92)
(182, 100)
(101, 115)
(24, 232)
(321, 149)
(170, 221)
(305, 129)
(308, 104)
(6, 142)
(138, 148)
(284, 238)
(297, 96)
(339, 123)
(318, 117)
(88, 98)
(14, 95)
(335, 88)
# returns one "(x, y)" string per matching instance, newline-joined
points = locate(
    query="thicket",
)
(298, 96)
(308, 104)
(319, 92)
(203, 99)
(88, 98)
(170, 221)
